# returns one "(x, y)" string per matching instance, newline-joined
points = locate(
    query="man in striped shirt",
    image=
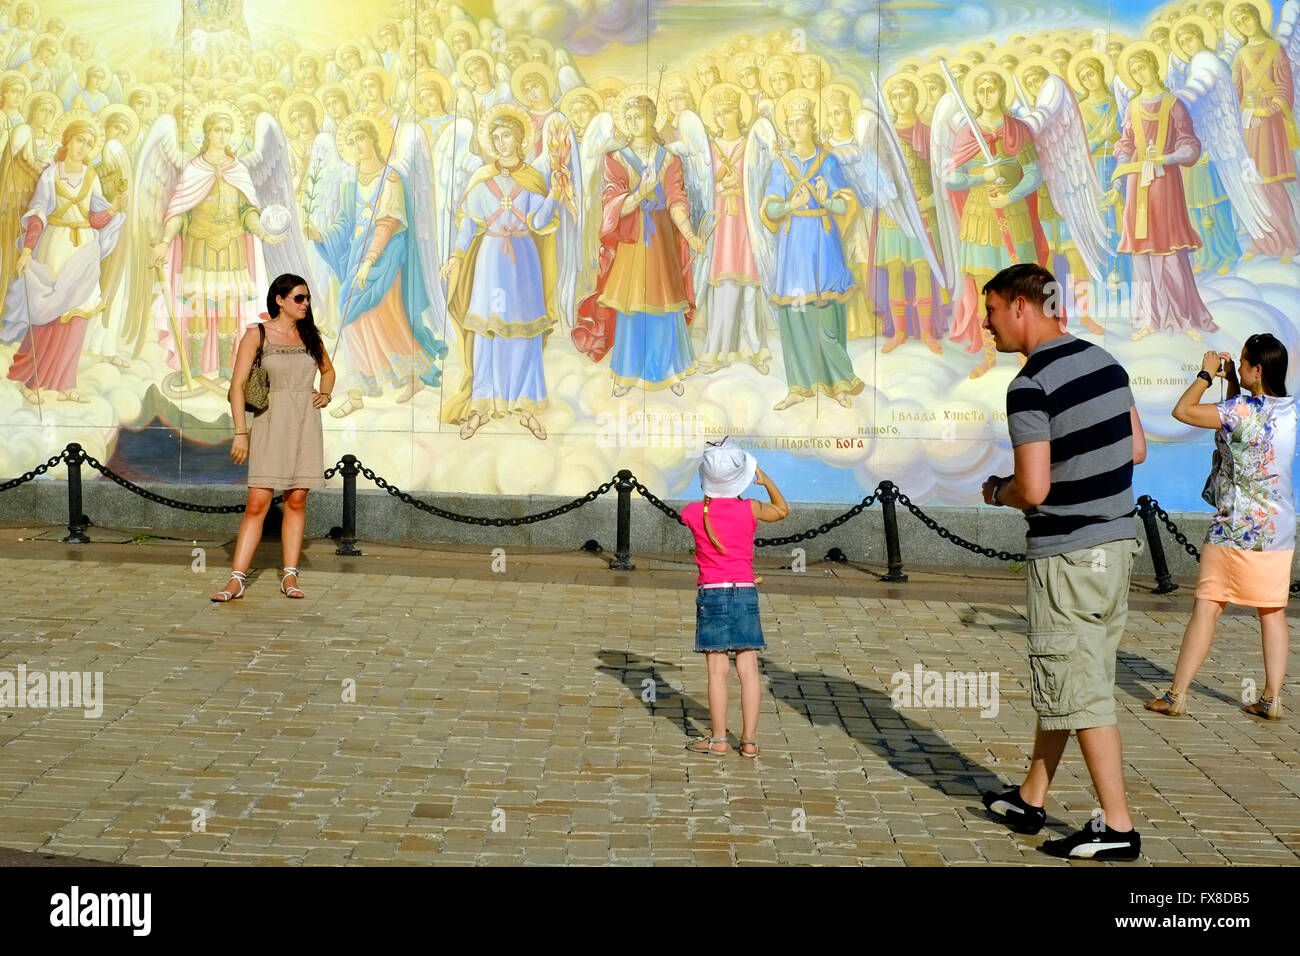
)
(1076, 436)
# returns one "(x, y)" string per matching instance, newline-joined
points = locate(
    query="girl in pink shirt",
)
(726, 608)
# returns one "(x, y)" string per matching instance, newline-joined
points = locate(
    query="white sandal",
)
(239, 576)
(293, 587)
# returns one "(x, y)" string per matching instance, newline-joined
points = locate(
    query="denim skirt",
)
(726, 619)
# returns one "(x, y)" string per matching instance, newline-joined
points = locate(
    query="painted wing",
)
(760, 154)
(560, 157)
(1123, 96)
(1211, 99)
(876, 136)
(268, 166)
(115, 167)
(1071, 178)
(945, 122)
(567, 72)
(598, 139)
(444, 61)
(326, 172)
(696, 153)
(1287, 33)
(156, 176)
(410, 158)
(454, 161)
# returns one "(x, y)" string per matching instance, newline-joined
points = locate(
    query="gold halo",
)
(707, 59)
(315, 58)
(381, 125)
(256, 99)
(324, 91)
(338, 54)
(1029, 62)
(1137, 46)
(545, 46)
(1157, 24)
(84, 70)
(693, 86)
(996, 55)
(974, 52)
(783, 108)
(1059, 47)
(176, 101)
(487, 119)
(1076, 61)
(27, 84)
(912, 79)
(855, 100)
(72, 116)
(31, 99)
(1209, 35)
(566, 101)
(627, 93)
(708, 108)
(527, 70)
(608, 84)
(462, 26)
(424, 78)
(385, 80)
(968, 83)
(469, 56)
(286, 110)
(127, 114)
(195, 131)
(406, 53)
(516, 45)
(40, 39)
(909, 64)
(822, 65)
(739, 62)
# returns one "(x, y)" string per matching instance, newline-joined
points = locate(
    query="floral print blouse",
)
(1256, 443)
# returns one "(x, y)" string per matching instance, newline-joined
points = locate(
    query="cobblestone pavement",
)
(509, 718)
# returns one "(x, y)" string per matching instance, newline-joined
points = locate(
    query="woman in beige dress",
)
(283, 446)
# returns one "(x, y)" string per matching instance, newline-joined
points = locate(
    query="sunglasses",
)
(300, 298)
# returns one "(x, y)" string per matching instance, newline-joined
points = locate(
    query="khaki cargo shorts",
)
(1077, 605)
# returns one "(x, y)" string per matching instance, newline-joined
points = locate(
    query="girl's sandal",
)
(748, 743)
(292, 591)
(695, 748)
(1270, 708)
(221, 597)
(1175, 705)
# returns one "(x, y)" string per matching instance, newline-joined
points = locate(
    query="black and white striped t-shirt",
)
(1075, 395)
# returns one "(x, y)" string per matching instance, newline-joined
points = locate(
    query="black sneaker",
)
(1091, 844)
(1013, 810)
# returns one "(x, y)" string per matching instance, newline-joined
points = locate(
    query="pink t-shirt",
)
(733, 524)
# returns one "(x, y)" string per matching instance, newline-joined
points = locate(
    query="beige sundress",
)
(285, 445)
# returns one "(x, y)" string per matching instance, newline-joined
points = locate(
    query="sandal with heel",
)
(292, 591)
(239, 576)
(744, 743)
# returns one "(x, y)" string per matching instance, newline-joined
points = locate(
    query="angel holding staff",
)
(503, 281)
(644, 291)
(806, 206)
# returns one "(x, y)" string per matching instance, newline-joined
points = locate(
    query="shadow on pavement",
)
(632, 671)
(1143, 679)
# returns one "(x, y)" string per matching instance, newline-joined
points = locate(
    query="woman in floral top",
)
(1246, 558)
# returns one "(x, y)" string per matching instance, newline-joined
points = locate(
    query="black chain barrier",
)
(624, 482)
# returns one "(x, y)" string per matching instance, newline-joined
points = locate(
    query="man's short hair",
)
(1029, 281)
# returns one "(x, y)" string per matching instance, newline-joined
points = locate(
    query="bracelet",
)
(998, 490)
(241, 434)
(1205, 376)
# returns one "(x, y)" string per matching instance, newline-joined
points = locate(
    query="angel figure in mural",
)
(210, 230)
(1223, 186)
(731, 303)
(503, 279)
(1264, 74)
(68, 229)
(90, 88)
(644, 291)
(800, 203)
(116, 173)
(1157, 138)
(988, 215)
(904, 240)
(14, 90)
(30, 150)
(1091, 76)
(477, 87)
(1073, 190)
(381, 250)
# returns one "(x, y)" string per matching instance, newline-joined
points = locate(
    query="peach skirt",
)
(1247, 578)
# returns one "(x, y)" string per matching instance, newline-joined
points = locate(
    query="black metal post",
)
(1147, 512)
(348, 537)
(74, 456)
(623, 535)
(893, 554)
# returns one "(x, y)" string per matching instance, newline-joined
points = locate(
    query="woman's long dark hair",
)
(307, 330)
(1266, 352)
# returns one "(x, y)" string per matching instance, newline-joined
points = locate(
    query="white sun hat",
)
(726, 471)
